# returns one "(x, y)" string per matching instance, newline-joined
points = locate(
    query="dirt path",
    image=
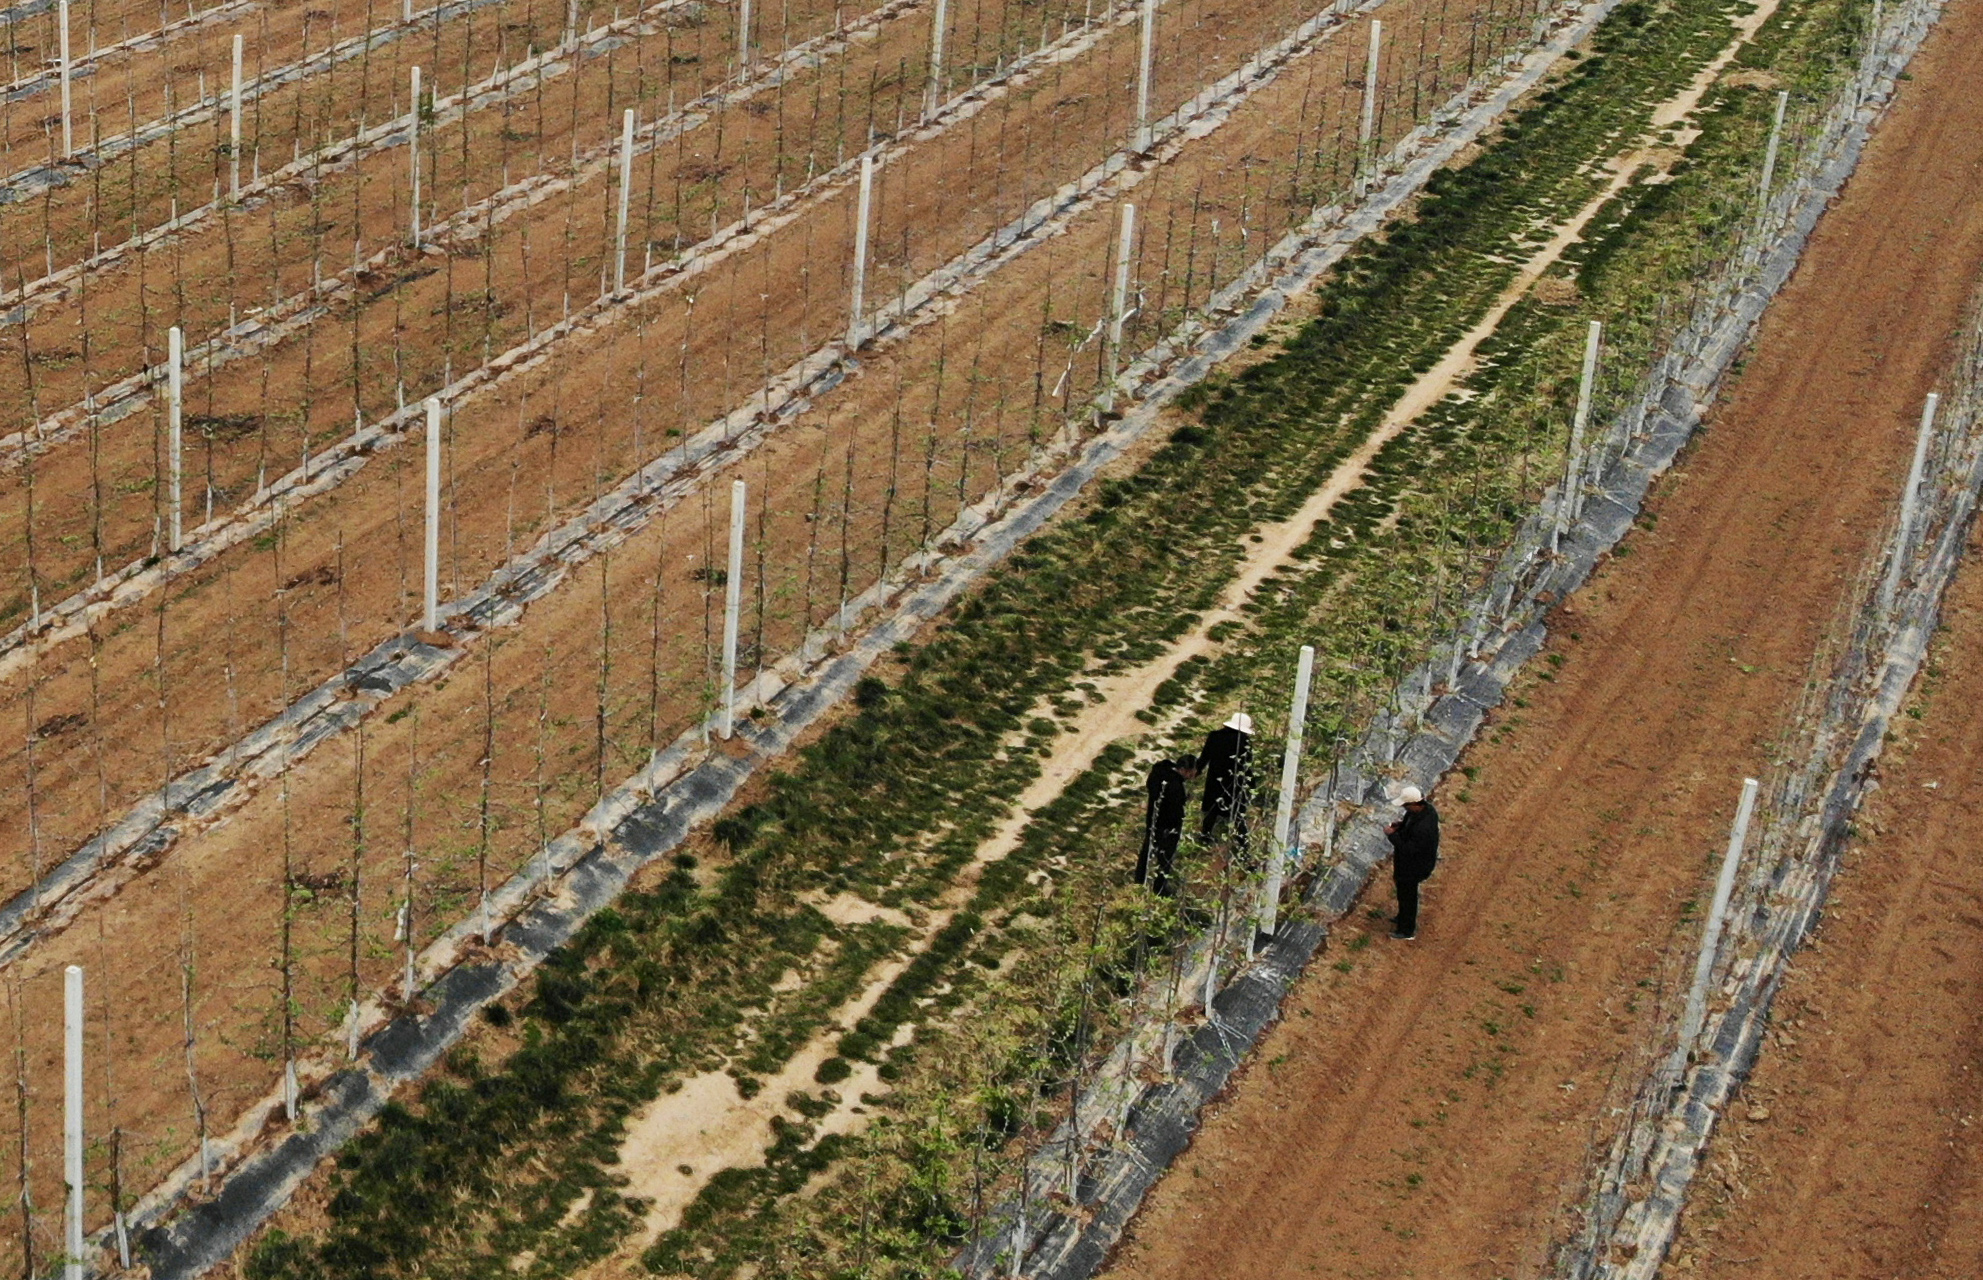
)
(1439, 1100)
(1856, 1149)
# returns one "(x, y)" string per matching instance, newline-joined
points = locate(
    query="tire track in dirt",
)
(1431, 1106)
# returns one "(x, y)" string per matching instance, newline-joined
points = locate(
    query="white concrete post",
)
(743, 37)
(857, 323)
(1769, 152)
(933, 96)
(63, 70)
(733, 599)
(1282, 854)
(1909, 503)
(1581, 424)
(175, 405)
(406, 10)
(72, 1115)
(1697, 993)
(433, 592)
(1119, 302)
(1368, 127)
(1146, 52)
(1571, 499)
(626, 194)
(413, 154)
(571, 22)
(234, 124)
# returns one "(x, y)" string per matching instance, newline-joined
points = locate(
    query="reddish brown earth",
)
(1855, 1151)
(1430, 1109)
(926, 425)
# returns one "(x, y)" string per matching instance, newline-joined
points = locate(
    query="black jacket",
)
(1163, 825)
(1227, 762)
(1415, 844)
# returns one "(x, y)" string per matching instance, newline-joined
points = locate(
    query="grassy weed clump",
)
(508, 1168)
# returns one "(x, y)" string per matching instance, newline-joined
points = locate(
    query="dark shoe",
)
(1400, 936)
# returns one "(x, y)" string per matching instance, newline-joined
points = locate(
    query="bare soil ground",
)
(1855, 1150)
(560, 718)
(1427, 1109)
(520, 459)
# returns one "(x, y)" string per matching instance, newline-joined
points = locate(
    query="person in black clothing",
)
(1163, 824)
(1414, 853)
(1227, 763)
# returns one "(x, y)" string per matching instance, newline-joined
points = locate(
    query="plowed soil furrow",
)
(1429, 1108)
(1855, 1150)
(533, 452)
(603, 668)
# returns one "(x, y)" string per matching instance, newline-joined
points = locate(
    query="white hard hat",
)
(1240, 721)
(1410, 795)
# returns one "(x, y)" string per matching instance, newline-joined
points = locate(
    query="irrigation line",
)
(686, 786)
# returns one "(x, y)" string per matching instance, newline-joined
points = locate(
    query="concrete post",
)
(72, 1116)
(857, 322)
(1119, 302)
(433, 579)
(1697, 992)
(234, 124)
(175, 404)
(413, 154)
(1580, 427)
(64, 68)
(1146, 54)
(1769, 152)
(626, 193)
(1909, 506)
(733, 599)
(743, 37)
(1570, 502)
(1282, 854)
(933, 95)
(1368, 128)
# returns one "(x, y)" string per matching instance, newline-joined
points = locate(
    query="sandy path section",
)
(1431, 1107)
(1855, 1151)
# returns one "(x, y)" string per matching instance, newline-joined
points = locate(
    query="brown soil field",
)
(1434, 1105)
(522, 460)
(1853, 1151)
(619, 659)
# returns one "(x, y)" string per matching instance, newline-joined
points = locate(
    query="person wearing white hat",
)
(1414, 853)
(1227, 763)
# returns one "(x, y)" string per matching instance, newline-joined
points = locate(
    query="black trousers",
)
(1407, 886)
